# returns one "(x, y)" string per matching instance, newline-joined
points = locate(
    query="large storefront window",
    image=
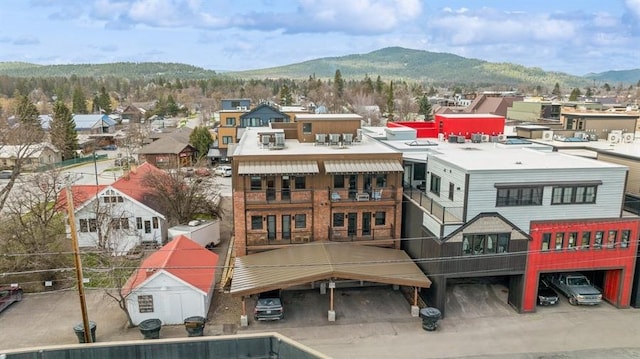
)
(475, 244)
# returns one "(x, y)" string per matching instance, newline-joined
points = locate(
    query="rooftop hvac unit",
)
(321, 138)
(358, 135)
(502, 137)
(441, 137)
(476, 138)
(453, 139)
(593, 137)
(347, 138)
(461, 139)
(547, 135)
(279, 140)
(485, 138)
(495, 138)
(265, 140)
(616, 132)
(334, 138)
(628, 137)
(613, 138)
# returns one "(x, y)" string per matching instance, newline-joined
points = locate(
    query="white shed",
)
(174, 283)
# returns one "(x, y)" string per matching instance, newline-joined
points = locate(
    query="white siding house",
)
(172, 284)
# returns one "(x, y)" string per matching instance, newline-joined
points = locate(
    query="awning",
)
(305, 263)
(362, 166)
(278, 168)
(213, 152)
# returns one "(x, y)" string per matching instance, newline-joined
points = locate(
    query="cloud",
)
(351, 17)
(26, 41)
(633, 6)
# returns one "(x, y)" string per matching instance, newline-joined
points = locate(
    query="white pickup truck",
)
(577, 288)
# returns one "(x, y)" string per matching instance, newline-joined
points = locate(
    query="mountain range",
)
(392, 63)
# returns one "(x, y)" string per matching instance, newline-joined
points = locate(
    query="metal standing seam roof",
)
(277, 167)
(304, 263)
(362, 166)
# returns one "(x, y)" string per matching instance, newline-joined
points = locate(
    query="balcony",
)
(343, 234)
(272, 196)
(279, 238)
(360, 195)
(446, 215)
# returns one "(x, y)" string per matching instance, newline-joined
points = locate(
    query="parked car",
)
(269, 306)
(5, 174)
(546, 295)
(9, 295)
(577, 288)
(223, 170)
(123, 161)
(110, 147)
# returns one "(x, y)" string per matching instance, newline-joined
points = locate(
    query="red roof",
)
(131, 183)
(81, 194)
(183, 258)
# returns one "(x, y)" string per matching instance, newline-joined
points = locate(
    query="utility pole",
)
(78, 265)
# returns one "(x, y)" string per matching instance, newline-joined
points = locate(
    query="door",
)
(286, 226)
(286, 191)
(367, 184)
(271, 227)
(353, 183)
(366, 223)
(352, 224)
(271, 188)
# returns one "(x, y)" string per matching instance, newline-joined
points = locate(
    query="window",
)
(93, 225)
(573, 195)
(419, 171)
(155, 222)
(571, 243)
(381, 218)
(611, 239)
(306, 128)
(434, 185)
(301, 220)
(586, 239)
(227, 139)
(120, 223)
(231, 121)
(624, 238)
(145, 303)
(300, 182)
(256, 183)
(338, 181)
(546, 241)
(147, 226)
(338, 219)
(139, 222)
(473, 244)
(84, 225)
(597, 242)
(559, 241)
(451, 188)
(381, 180)
(256, 222)
(521, 196)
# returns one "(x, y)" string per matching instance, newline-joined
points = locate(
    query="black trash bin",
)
(150, 328)
(79, 330)
(430, 317)
(195, 326)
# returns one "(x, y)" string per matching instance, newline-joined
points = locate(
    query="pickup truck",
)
(577, 288)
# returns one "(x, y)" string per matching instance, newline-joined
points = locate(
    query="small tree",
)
(556, 90)
(63, 131)
(391, 107)
(201, 139)
(285, 96)
(575, 94)
(79, 102)
(424, 106)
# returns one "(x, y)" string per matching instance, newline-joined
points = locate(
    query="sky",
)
(572, 36)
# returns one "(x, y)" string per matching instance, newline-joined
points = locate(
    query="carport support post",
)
(332, 313)
(415, 310)
(244, 320)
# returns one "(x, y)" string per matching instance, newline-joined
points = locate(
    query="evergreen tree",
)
(391, 107)
(27, 114)
(338, 84)
(575, 93)
(588, 93)
(201, 139)
(424, 106)
(556, 90)
(606, 87)
(104, 101)
(368, 85)
(63, 131)
(379, 85)
(285, 96)
(79, 102)
(171, 106)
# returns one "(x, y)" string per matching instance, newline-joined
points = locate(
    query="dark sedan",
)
(8, 295)
(546, 295)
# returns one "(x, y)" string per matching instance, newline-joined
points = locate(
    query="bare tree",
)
(180, 196)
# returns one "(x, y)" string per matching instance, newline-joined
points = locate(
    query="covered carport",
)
(324, 262)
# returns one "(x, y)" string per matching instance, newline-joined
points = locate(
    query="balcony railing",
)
(281, 196)
(362, 195)
(278, 238)
(443, 214)
(341, 234)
